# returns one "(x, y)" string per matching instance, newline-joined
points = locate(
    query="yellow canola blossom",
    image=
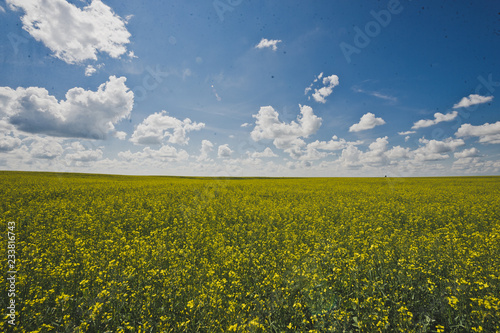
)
(99, 253)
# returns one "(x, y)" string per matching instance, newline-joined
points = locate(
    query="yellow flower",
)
(452, 300)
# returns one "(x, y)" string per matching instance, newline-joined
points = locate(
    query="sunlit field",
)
(101, 253)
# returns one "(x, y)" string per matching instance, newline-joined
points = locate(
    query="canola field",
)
(97, 253)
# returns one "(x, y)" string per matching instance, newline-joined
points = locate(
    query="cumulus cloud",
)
(46, 148)
(466, 153)
(266, 153)
(438, 117)
(308, 89)
(120, 135)
(91, 70)
(206, 147)
(165, 154)
(377, 154)
(268, 126)
(434, 150)
(224, 151)
(81, 154)
(350, 157)
(487, 133)
(472, 99)
(286, 136)
(160, 125)
(8, 143)
(334, 144)
(367, 121)
(246, 125)
(398, 152)
(83, 114)
(74, 34)
(271, 43)
(329, 82)
(474, 165)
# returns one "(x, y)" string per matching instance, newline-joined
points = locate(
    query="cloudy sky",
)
(251, 88)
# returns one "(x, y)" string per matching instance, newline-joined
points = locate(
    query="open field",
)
(160, 254)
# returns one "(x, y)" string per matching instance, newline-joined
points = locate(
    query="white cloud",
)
(487, 133)
(377, 155)
(350, 157)
(246, 125)
(160, 125)
(83, 155)
(406, 133)
(206, 147)
(398, 152)
(438, 117)
(8, 143)
(272, 43)
(74, 34)
(224, 151)
(333, 144)
(266, 153)
(329, 83)
(308, 89)
(474, 165)
(472, 99)
(90, 70)
(367, 121)
(120, 135)
(466, 153)
(434, 150)
(164, 154)
(84, 113)
(2, 9)
(46, 148)
(285, 136)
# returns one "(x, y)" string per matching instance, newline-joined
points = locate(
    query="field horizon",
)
(67, 173)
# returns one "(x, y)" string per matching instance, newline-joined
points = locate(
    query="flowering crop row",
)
(163, 254)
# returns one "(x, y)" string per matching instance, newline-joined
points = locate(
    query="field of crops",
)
(162, 254)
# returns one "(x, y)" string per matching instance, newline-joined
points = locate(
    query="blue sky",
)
(250, 88)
